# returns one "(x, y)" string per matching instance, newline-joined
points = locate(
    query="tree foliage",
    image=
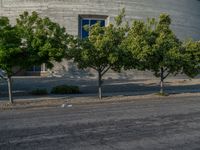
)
(192, 58)
(10, 50)
(153, 46)
(136, 46)
(101, 50)
(166, 49)
(32, 41)
(43, 40)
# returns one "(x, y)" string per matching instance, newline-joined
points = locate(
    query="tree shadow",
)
(89, 86)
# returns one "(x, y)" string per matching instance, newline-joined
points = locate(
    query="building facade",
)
(73, 14)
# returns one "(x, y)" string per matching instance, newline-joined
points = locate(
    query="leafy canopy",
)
(166, 49)
(10, 51)
(153, 46)
(101, 50)
(43, 40)
(192, 58)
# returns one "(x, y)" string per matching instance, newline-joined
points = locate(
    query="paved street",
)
(151, 124)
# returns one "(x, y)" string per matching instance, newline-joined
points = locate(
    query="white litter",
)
(65, 105)
(69, 105)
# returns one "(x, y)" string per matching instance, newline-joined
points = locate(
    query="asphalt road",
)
(158, 124)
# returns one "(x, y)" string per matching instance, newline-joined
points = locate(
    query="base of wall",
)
(36, 73)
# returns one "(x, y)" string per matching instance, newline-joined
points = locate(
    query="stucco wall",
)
(185, 13)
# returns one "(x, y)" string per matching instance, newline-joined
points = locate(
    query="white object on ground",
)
(65, 105)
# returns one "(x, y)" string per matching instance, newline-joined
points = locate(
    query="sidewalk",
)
(110, 88)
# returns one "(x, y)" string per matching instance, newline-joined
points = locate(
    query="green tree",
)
(136, 46)
(32, 41)
(166, 57)
(101, 50)
(43, 41)
(153, 46)
(10, 51)
(191, 66)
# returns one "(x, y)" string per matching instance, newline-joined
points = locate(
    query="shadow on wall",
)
(74, 72)
(70, 70)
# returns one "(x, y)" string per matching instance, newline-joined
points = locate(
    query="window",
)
(41, 68)
(89, 20)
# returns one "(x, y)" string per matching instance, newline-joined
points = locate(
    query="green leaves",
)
(153, 46)
(166, 48)
(119, 18)
(10, 42)
(191, 58)
(32, 41)
(100, 49)
(43, 39)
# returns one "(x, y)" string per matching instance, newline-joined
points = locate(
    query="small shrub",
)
(39, 92)
(65, 89)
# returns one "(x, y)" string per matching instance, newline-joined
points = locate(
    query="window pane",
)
(89, 22)
(85, 22)
(93, 22)
(84, 33)
(102, 23)
(37, 68)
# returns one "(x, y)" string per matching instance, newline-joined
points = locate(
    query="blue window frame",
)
(89, 22)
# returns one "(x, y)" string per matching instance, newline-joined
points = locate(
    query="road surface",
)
(153, 124)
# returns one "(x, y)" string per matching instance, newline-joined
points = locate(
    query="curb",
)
(59, 101)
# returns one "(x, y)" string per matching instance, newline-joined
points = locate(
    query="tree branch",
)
(14, 73)
(166, 75)
(106, 70)
(165, 69)
(102, 68)
(93, 67)
(1, 76)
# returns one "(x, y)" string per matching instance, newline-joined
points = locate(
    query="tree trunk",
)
(162, 81)
(10, 89)
(100, 84)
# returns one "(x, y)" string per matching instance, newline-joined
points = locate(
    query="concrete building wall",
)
(185, 14)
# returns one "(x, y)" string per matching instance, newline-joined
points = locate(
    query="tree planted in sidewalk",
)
(153, 46)
(10, 51)
(32, 41)
(166, 55)
(101, 50)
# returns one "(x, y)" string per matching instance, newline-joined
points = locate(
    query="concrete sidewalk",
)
(88, 87)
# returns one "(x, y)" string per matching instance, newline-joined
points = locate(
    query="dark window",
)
(35, 68)
(89, 22)
(38, 68)
(84, 22)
